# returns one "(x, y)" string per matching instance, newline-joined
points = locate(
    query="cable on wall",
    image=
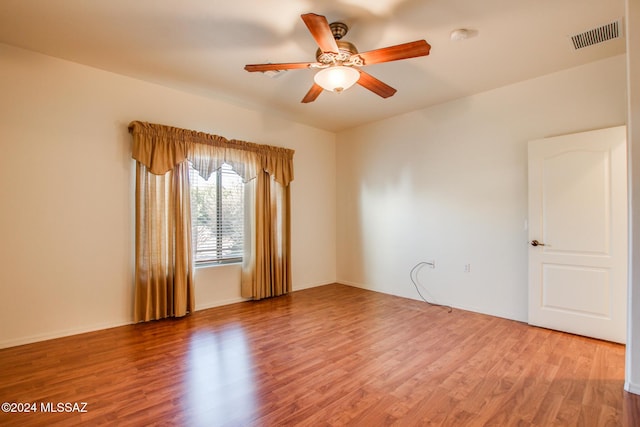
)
(414, 279)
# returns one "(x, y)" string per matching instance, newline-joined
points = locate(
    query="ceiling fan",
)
(339, 61)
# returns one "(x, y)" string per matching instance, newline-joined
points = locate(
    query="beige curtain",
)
(164, 262)
(164, 272)
(266, 270)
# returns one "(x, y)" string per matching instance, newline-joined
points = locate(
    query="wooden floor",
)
(327, 356)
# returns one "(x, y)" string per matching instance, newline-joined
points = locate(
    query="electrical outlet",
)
(467, 268)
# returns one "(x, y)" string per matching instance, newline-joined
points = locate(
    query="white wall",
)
(632, 373)
(66, 188)
(449, 183)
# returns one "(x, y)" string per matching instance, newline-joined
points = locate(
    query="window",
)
(217, 215)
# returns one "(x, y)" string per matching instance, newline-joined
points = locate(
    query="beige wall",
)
(449, 183)
(66, 188)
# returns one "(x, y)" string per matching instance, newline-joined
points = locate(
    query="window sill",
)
(210, 264)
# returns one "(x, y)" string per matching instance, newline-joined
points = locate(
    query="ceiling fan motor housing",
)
(346, 52)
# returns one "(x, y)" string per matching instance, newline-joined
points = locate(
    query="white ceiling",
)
(201, 46)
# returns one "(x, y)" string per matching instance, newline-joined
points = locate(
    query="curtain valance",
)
(160, 148)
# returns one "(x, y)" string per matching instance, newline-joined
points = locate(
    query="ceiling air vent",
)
(597, 35)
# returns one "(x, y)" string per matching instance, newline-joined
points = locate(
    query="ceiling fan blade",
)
(376, 86)
(312, 94)
(394, 53)
(277, 67)
(319, 28)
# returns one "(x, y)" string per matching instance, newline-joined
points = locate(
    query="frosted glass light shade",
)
(336, 78)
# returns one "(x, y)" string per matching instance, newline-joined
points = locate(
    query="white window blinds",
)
(217, 215)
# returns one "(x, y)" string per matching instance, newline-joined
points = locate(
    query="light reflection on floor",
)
(220, 387)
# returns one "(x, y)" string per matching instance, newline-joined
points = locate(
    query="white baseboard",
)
(221, 303)
(355, 285)
(60, 334)
(311, 285)
(632, 388)
(13, 342)
(416, 297)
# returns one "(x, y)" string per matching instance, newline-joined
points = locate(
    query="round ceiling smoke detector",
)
(459, 34)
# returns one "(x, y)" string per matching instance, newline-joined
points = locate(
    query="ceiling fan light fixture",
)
(337, 78)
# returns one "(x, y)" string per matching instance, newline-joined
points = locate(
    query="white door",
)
(578, 233)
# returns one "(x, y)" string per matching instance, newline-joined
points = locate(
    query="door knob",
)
(536, 243)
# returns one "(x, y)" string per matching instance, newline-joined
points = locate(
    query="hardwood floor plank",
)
(333, 355)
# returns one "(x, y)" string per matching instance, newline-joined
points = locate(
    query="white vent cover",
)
(597, 35)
